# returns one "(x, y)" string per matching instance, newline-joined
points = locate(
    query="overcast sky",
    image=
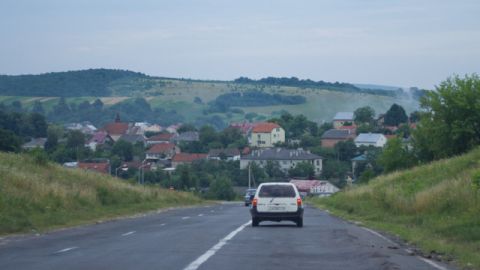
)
(390, 42)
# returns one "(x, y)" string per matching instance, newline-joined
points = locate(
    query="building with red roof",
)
(117, 128)
(97, 165)
(162, 151)
(160, 138)
(267, 135)
(186, 158)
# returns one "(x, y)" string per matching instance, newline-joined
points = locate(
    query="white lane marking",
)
(185, 218)
(200, 215)
(379, 235)
(205, 256)
(128, 233)
(432, 263)
(163, 224)
(65, 250)
(212, 211)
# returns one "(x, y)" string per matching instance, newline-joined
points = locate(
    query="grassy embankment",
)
(435, 207)
(40, 197)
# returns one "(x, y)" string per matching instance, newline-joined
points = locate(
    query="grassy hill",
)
(178, 95)
(435, 206)
(39, 197)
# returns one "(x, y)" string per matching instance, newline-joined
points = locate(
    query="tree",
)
(302, 169)
(123, 149)
(97, 104)
(38, 107)
(273, 170)
(222, 189)
(395, 156)
(395, 116)
(9, 142)
(346, 150)
(75, 139)
(449, 124)
(38, 124)
(364, 115)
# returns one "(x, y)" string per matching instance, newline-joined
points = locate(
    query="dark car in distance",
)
(249, 196)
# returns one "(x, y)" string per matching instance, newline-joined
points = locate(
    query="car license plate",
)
(276, 208)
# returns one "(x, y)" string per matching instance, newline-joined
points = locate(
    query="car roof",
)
(276, 183)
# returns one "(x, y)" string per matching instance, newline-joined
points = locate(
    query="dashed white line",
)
(200, 215)
(204, 257)
(185, 218)
(163, 224)
(128, 233)
(212, 211)
(65, 250)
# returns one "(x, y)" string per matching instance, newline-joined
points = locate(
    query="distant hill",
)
(92, 82)
(377, 87)
(200, 102)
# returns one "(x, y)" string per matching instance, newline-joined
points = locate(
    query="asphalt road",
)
(213, 237)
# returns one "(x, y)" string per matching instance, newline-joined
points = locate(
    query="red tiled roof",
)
(264, 127)
(161, 137)
(101, 167)
(186, 157)
(116, 128)
(161, 148)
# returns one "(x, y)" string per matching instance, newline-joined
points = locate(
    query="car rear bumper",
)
(276, 216)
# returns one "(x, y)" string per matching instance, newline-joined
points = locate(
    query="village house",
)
(117, 128)
(342, 118)
(332, 136)
(160, 138)
(98, 138)
(162, 151)
(187, 158)
(84, 127)
(370, 139)
(244, 127)
(189, 136)
(35, 143)
(229, 154)
(133, 138)
(267, 135)
(319, 188)
(286, 158)
(96, 165)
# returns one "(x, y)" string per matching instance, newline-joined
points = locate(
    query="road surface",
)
(210, 237)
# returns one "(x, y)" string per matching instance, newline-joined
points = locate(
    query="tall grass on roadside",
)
(37, 196)
(436, 206)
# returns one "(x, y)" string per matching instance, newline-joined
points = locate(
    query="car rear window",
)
(282, 191)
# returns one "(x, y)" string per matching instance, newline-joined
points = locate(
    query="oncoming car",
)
(248, 196)
(277, 202)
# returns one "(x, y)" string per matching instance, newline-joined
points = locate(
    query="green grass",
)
(434, 206)
(179, 95)
(43, 197)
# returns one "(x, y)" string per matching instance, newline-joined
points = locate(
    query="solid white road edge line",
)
(128, 233)
(430, 262)
(65, 250)
(205, 256)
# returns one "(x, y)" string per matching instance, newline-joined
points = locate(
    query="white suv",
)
(277, 202)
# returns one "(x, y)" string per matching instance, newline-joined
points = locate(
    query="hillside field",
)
(37, 196)
(435, 207)
(179, 95)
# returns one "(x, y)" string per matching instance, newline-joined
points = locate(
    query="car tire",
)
(300, 222)
(255, 222)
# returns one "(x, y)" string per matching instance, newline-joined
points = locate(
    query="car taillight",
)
(299, 201)
(254, 202)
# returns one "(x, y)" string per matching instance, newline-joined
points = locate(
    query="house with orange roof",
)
(162, 151)
(266, 135)
(117, 128)
(187, 158)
